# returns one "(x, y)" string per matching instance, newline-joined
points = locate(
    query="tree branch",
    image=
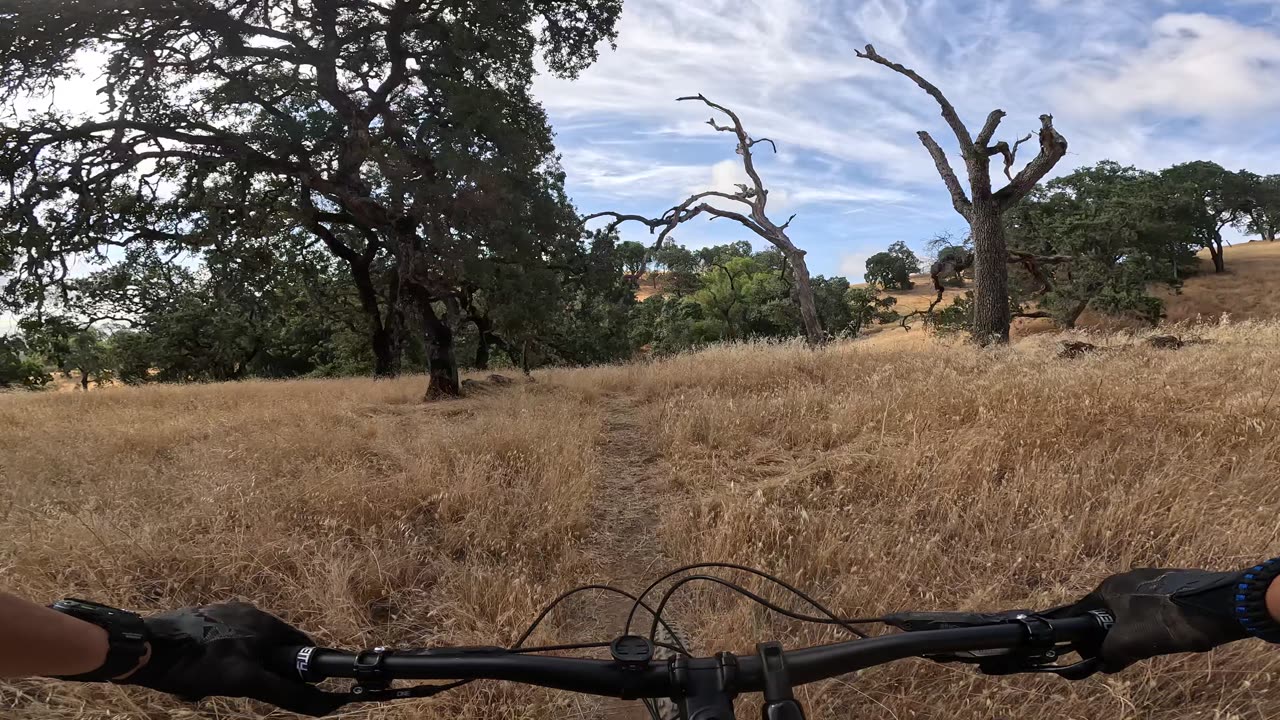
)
(619, 218)
(948, 110)
(744, 145)
(1053, 147)
(928, 313)
(958, 199)
(989, 128)
(1032, 263)
(676, 215)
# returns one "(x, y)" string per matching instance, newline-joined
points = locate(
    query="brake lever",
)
(1038, 656)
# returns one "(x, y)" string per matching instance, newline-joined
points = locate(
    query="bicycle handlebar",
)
(655, 678)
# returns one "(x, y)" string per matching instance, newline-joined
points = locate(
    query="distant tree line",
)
(278, 308)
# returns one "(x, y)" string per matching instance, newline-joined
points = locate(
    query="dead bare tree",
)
(752, 215)
(983, 208)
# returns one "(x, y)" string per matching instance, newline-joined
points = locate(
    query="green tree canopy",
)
(398, 134)
(1102, 238)
(893, 268)
(1263, 215)
(19, 366)
(1205, 198)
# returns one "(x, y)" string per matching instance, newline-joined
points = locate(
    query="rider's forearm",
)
(35, 640)
(1273, 600)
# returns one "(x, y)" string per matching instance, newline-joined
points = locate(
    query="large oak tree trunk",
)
(442, 361)
(482, 352)
(990, 277)
(813, 332)
(386, 354)
(1215, 252)
(385, 333)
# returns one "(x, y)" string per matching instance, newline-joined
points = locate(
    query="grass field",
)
(880, 476)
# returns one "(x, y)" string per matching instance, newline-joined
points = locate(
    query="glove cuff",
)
(1249, 601)
(126, 638)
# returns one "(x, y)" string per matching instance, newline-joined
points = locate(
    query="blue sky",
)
(1145, 82)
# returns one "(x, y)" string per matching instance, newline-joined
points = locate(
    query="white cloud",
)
(854, 266)
(612, 172)
(1194, 65)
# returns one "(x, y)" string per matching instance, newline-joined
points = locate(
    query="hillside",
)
(1250, 289)
(880, 477)
(1247, 291)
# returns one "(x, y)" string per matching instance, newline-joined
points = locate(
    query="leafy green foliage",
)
(954, 318)
(402, 139)
(680, 267)
(892, 269)
(1263, 216)
(635, 257)
(866, 305)
(1204, 198)
(19, 367)
(1112, 223)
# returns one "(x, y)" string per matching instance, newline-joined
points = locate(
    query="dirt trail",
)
(624, 542)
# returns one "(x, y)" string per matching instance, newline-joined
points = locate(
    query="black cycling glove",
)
(226, 650)
(1160, 612)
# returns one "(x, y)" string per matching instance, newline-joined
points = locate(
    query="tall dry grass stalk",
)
(882, 477)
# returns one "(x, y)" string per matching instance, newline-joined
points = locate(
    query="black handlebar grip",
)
(291, 661)
(1084, 631)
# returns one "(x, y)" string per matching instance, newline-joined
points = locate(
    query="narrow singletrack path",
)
(623, 543)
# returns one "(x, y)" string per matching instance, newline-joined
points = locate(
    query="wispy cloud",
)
(1148, 83)
(1192, 66)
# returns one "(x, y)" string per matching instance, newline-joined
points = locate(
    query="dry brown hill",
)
(880, 477)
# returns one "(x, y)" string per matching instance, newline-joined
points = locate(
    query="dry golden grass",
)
(949, 477)
(882, 477)
(1247, 291)
(347, 506)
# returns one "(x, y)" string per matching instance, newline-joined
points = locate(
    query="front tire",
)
(668, 708)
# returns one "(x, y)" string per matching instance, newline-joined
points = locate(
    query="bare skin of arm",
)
(1273, 600)
(35, 640)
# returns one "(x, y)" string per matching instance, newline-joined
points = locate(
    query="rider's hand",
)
(226, 650)
(1160, 612)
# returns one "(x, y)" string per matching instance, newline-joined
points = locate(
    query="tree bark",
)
(990, 276)
(813, 332)
(483, 343)
(1070, 320)
(442, 361)
(386, 357)
(1215, 252)
(385, 333)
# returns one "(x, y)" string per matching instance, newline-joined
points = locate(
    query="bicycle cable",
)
(846, 624)
(831, 617)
